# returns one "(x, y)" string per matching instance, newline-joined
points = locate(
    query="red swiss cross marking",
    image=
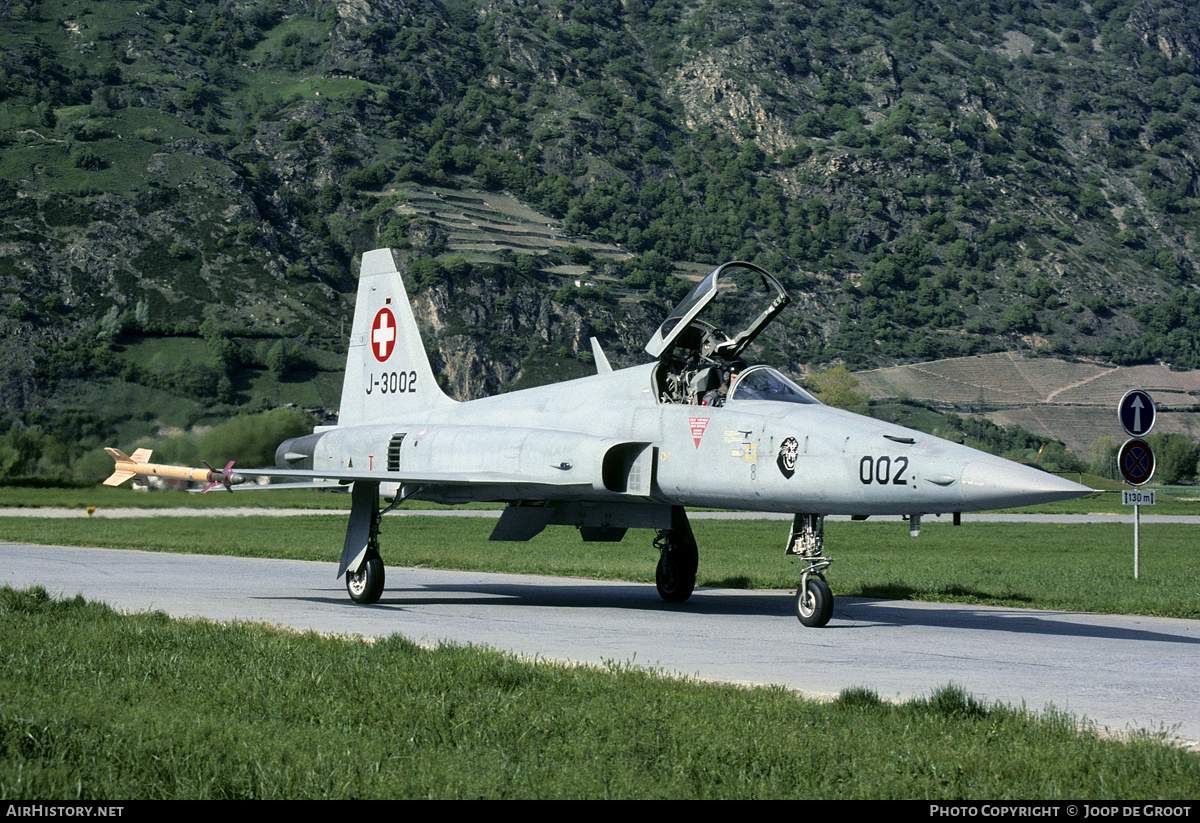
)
(383, 335)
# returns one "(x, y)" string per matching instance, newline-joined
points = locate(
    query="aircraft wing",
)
(551, 478)
(449, 478)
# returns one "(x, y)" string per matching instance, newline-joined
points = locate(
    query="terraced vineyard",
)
(1072, 402)
(480, 225)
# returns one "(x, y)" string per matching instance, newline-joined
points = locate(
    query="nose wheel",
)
(814, 600)
(814, 603)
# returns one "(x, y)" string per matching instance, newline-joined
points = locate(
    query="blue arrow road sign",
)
(1137, 413)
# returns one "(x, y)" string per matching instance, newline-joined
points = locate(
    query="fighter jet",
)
(621, 449)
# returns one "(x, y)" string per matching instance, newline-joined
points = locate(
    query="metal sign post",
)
(1136, 459)
(1137, 498)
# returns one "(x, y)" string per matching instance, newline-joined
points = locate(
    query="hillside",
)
(929, 180)
(1073, 403)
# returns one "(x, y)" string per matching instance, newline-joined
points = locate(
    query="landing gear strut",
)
(361, 562)
(814, 600)
(678, 558)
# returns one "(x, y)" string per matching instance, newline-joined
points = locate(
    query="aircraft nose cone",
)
(998, 484)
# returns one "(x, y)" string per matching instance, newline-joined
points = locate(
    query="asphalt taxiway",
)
(1120, 673)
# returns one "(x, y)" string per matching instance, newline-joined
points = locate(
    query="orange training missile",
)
(139, 465)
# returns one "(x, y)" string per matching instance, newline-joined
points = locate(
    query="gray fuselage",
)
(607, 438)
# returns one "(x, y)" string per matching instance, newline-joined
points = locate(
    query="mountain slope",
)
(929, 180)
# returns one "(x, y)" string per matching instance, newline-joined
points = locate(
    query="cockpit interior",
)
(701, 365)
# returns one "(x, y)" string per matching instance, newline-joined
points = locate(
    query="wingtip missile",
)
(139, 465)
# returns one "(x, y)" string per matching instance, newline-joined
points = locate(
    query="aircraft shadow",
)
(850, 613)
(634, 596)
(885, 612)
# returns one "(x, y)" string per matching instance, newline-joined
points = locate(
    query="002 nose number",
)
(882, 470)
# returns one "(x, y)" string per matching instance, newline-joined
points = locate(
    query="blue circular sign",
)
(1137, 413)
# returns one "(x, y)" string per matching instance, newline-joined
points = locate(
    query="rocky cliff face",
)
(481, 334)
(1173, 30)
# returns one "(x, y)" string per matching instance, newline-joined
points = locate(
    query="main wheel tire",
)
(814, 603)
(366, 585)
(675, 576)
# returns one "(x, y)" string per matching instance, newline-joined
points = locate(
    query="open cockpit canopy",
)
(737, 280)
(697, 360)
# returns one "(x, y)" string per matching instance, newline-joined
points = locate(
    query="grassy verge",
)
(1075, 567)
(106, 497)
(102, 706)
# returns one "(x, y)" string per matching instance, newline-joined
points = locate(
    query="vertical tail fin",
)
(387, 369)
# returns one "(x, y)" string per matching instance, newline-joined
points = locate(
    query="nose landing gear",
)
(814, 600)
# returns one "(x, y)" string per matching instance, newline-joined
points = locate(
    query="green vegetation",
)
(997, 176)
(1177, 458)
(122, 497)
(100, 706)
(67, 447)
(835, 387)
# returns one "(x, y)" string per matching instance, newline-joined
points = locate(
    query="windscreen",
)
(766, 383)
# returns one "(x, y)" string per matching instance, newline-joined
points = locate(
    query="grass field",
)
(102, 706)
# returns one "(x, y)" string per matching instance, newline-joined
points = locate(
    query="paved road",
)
(1119, 672)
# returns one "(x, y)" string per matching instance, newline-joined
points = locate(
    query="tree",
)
(285, 359)
(1103, 453)
(109, 326)
(88, 159)
(836, 387)
(1175, 457)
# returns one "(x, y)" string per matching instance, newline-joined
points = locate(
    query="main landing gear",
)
(361, 563)
(678, 558)
(814, 600)
(365, 586)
